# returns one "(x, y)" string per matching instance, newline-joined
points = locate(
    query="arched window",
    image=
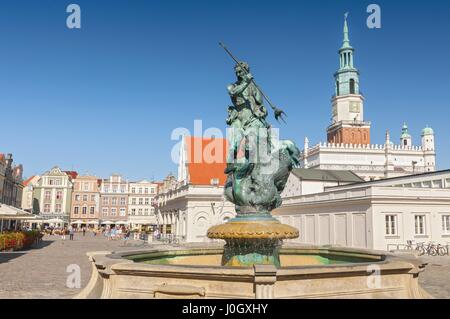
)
(405, 142)
(337, 87)
(352, 86)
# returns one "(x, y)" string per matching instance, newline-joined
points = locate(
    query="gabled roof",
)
(326, 175)
(72, 174)
(26, 182)
(206, 160)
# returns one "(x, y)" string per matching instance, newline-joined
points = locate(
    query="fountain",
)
(254, 262)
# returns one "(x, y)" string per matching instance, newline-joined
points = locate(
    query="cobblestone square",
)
(41, 272)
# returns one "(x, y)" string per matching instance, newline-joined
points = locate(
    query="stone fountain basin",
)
(195, 271)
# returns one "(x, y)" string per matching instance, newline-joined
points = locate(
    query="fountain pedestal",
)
(252, 239)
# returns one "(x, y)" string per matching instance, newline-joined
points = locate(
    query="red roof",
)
(206, 159)
(72, 174)
(2, 156)
(25, 183)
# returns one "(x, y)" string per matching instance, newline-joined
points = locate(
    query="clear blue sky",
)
(106, 98)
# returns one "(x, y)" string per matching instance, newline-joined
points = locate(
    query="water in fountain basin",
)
(246, 252)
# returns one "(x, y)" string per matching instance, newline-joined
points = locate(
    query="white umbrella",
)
(122, 222)
(55, 220)
(106, 223)
(92, 222)
(10, 212)
(35, 219)
(143, 222)
(77, 222)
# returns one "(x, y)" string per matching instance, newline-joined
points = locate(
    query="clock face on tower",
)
(355, 107)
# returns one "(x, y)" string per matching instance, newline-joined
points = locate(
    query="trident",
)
(278, 113)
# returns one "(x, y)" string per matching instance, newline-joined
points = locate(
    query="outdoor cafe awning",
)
(143, 222)
(12, 213)
(34, 219)
(55, 221)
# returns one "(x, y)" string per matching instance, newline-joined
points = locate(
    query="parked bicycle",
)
(432, 249)
(442, 250)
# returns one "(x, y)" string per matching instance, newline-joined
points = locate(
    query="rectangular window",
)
(446, 224)
(84, 210)
(427, 184)
(152, 191)
(141, 201)
(122, 212)
(114, 189)
(47, 208)
(122, 189)
(420, 224)
(77, 198)
(146, 190)
(86, 186)
(92, 210)
(437, 184)
(92, 198)
(146, 211)
(133, 211)
(59, 194)
(140, 190)
(123, 201)
(106, 189)
(140, 211)
(391, 224)
(114, 201)
(85, 198)
(133, 190)
(47, 195)
(113, 211)
(58, 208)
(133, 201)
(76, 210)
(105, 211)
(105, 200)
(147, 201)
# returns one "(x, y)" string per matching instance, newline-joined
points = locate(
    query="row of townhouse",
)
(64, 197)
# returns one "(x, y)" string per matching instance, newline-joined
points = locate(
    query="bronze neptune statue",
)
(257, 171)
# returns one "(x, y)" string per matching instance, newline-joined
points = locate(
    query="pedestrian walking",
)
(63, 233)
(127, 236)
(71, 233)
(84, 231)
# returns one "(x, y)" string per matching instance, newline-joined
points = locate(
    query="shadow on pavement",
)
(7, 256)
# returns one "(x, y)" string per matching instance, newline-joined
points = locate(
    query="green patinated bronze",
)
(257, 171)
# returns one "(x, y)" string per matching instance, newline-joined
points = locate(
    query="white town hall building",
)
(348, 145)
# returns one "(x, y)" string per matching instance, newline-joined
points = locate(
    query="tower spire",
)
(348, 124)
(346, 42)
